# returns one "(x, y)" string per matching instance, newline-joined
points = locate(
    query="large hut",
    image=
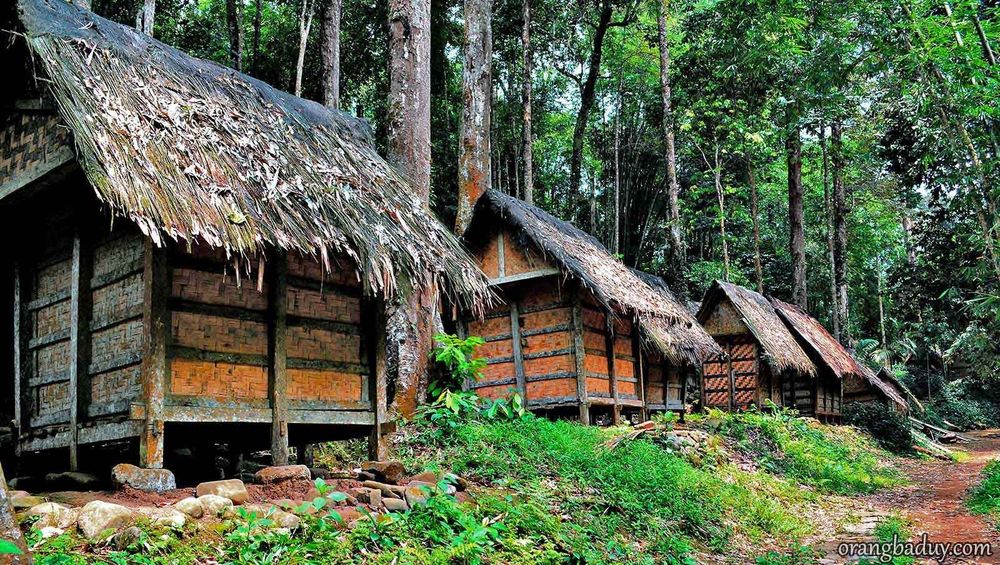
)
(579, 332)
(189, 249)
(762, 361)
(880, 386)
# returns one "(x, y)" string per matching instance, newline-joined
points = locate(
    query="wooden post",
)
(732, 378)
(640, 370)
(156, 326)
(684, 392)
(21, 407)
(79, 315)
(579, 354)
(501, 255)
(377, 382)
(515, 339)
(278, 370)
(609, 340)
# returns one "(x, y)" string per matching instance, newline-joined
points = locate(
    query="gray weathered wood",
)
(278, 369)
(639, 368)
(537, 274)
(580, 355)
(20, 373)
(156, 327)
(515, 339)
(501, 256)
(78, 339)
(377, 385)
(609, 339)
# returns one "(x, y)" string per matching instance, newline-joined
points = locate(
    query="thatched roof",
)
(780, 349)
(686, 335)
(824, 346)
(193, 151)
(895, 391)
(665, 323)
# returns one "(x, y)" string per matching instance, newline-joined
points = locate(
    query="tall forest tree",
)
(411, 325)
(796, 209)
(145, 16)
(306, 12)
(675, 243)
(234, 23)
(527, 151)
(331, 53)
(474, 159)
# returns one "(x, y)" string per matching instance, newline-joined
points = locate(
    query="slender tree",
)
(305, 26)
(411, 325)
(331, 53)
(527, 139)
(234, 22)
(675, 242)
(839, 224)
(796, 214)
(755, 218)
(258, 17)
(474, 139)
(145, 16)
(828, 210)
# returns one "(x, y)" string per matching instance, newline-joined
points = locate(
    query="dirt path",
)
(935, 501)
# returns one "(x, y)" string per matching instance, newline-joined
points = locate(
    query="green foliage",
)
(9, 548)
(800, 555)
(833, 461)
(452, 409)
(960, 403)
(890, 428)
(985, 498)
(457, 356)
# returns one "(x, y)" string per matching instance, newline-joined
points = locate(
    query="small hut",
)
(579, 332)
(190, 249)
(834, 362)
(879, 386)
(762, 361)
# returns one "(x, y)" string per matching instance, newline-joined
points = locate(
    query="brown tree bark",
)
(474, 162)
(411, 325)
(588, 87)
(616, 210)
(715, 165)
(234, 22)
(331, 53)
(9, 529)
(675, 242)
(527, 149)
(257, 18)
(839, 209)
(305, 26)
(796, 214)
(145, 16)
(828, 210)
(755, 217)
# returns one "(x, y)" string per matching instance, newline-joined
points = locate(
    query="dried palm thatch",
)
(777, 344)
(823, 346)
(664, 321)
(193, 151)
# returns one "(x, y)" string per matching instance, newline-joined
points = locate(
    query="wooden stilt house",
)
(879, 386)
(579, 332)
(762, 361)
(192, 250)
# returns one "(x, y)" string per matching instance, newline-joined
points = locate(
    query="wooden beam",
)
(78, 360)
(537, 274)
(732, 378)
(377, 391)
(156, 328)
(515, 340)
(278, 366)
(579, 353)
(640, 373)
(684, 392)
(21, 405)
(609, 340)
(501, 256)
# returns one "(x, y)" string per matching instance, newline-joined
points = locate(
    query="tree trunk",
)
(984, 41)
(257, 18)
(528, 158)
(616, 210)
(840, 231)
(796, 223)
(474, 138)
(755, 217)
(234, 21)
(9, 530)
(145, 16)
(331, 53)
(305, 26)
(828, 210)
(911, 251)
(675, 243)
(587, 92)
(411, 325)
(721, 195)
(85, 4)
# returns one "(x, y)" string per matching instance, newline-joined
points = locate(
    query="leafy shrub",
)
(457, 356)
(963, 405)
(889, 428)
(787, 445)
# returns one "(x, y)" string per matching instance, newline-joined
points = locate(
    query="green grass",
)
(836, 460)
(985, 498)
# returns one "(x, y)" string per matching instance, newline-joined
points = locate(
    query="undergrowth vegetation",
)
(985, 498)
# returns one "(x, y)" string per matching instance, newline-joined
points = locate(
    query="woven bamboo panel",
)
(28, 141)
